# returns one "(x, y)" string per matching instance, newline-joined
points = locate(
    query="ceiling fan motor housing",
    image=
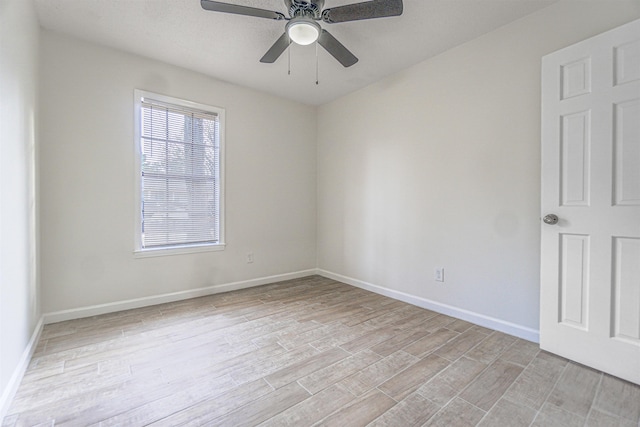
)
(311, 9)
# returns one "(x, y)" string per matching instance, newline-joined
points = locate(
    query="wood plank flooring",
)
(305, 352)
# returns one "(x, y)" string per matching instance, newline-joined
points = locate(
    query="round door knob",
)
(551, 219)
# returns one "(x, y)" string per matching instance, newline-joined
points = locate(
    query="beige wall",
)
(19, 294)
(87, 184)
(439, 165)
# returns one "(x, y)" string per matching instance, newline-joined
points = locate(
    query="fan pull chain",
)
(317, 78)
(289, 55)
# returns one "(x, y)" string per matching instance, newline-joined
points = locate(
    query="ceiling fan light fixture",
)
(303, 31)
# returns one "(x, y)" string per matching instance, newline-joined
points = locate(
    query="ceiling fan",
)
(302, 27)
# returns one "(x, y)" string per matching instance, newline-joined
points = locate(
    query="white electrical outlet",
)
(249, 257)
(439, 274)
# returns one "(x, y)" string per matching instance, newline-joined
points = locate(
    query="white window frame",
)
(139, 251)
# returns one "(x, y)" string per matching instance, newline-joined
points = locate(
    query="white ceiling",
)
(229, 47)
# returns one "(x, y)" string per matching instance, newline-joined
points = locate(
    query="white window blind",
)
(180, 175)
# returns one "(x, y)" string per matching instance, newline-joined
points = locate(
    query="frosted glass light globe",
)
(303, 31)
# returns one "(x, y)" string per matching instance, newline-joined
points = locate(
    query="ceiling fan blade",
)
(336, 49)
(276, 50)
(217, 6)
(365, 10)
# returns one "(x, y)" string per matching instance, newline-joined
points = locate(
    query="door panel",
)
(590, 260)
(627, 153)
(627, 62)
(575, 164)
(576, 78)
(627, 292)
(574, 280)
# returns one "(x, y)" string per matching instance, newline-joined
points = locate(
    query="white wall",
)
(439, 165)
(87, 181)
(19, 297)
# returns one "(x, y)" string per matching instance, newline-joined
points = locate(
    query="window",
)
(179, 191)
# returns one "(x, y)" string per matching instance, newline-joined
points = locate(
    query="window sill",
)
(178, 250)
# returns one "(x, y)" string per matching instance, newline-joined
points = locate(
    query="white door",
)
(590, 263)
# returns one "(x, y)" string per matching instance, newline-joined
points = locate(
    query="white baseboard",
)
(12, 387)
(519, 331)
(95, 310)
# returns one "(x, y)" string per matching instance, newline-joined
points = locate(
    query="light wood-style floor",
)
(305, 352)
